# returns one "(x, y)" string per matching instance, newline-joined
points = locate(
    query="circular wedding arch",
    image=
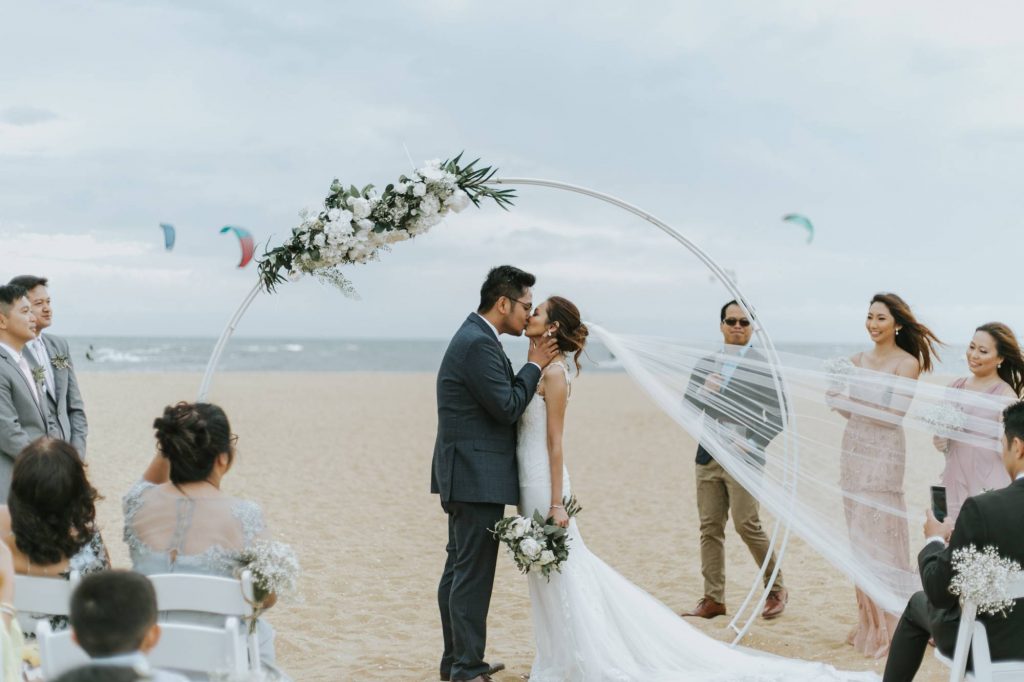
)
(746, 615)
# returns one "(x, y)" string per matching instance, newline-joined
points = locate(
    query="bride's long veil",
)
(844, 501)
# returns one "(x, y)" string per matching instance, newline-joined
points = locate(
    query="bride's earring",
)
(897, 332)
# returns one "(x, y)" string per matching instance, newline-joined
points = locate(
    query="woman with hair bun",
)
(49, 522)
(997, 370)
(178, 520)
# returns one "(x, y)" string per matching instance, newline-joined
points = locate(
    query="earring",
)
(897, 332)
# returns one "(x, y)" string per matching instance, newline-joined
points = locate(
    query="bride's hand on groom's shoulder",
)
(543, 350)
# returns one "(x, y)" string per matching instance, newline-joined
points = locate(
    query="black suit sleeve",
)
(486, 377)
(936, 562)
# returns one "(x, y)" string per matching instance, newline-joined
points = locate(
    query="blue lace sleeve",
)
(250, 516)
(130, 504)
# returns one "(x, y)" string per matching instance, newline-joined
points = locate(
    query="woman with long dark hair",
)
(997, 369)
(874, 451)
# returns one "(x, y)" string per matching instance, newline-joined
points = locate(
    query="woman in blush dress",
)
(873, 457)
(997, 370)
(178, 520)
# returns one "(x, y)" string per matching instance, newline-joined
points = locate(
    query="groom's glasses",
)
(733, 321)
(527, 305)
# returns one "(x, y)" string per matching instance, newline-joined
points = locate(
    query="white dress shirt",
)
(24, 367)
(498, 336)
(38, 348)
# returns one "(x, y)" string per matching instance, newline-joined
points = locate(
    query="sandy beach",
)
(340, 464)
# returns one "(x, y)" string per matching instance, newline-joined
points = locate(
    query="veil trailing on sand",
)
(827, 457)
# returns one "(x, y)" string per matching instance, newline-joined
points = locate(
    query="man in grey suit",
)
(23, 412)
(64, 399)
(479, 401)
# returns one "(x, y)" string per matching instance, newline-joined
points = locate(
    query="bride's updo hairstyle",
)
(571, 332)
(191, 436)
(913, 337)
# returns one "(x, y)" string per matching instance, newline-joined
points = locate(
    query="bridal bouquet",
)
(983, 578)
(838, 370)
(537, 543)
(944, 417)
(275, 570)
(356, 225)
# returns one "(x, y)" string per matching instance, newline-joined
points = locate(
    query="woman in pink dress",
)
(873, 457)
(997, 370)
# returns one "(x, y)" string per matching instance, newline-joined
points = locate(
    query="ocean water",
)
(167, 354)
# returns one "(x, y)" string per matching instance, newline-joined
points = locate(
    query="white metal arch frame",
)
(751, 607)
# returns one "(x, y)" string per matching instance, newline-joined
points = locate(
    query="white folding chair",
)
(971, 635)
(182, 647)
(228, 597)
(38, 598)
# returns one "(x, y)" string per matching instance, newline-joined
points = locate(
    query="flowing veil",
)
(797, 475)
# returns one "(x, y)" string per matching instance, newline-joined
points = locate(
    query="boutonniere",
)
(39, 375)
(60, 362)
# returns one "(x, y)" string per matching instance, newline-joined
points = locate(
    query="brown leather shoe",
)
(775, 604)
(496, 667)
(706, 608)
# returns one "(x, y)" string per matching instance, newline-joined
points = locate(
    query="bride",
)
(590, 623)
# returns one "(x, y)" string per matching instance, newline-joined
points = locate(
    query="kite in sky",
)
(245, 241)
(802, 221)
(168, 235)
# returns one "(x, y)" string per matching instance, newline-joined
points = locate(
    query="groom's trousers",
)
(910, 640)
(464, 594)
(718, 493)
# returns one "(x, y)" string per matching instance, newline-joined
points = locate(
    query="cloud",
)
(26, 116)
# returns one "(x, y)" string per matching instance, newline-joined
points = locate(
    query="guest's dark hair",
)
(191, 436)
(721, 314)
(1011, 369)
(1013, 421)
(111, 612)
(913, 337)
(9, 294)
(51, 502)
(571, 332)
(100, 673)
(504, 280)
(29, 282)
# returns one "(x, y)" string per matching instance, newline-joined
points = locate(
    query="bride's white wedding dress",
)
(592, 625)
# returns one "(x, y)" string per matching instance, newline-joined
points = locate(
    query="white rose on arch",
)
(360, 207)
(430, 205)
(419, 189)
(457, 201)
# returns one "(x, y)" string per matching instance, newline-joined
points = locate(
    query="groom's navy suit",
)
(479, 401)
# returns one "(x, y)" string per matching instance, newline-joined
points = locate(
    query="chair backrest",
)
(972, 636)
(182, 647)
(36, 597)
(204, 593)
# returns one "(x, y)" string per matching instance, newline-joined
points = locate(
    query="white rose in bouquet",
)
(546, 557)
(319, 240)
(457, 201)
(419, 189)
(530, 548)
(360, 207)
(520, 527)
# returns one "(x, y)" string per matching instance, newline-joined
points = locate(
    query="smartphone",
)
(939, 502)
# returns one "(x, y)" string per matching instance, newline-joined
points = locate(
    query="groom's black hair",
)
(504, 280)
(9, 293)
(1013, 421)
(30, 282)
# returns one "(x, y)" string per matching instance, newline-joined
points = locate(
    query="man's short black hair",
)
(1013, 421)
(111, 612)
(30, 282)
(9, 293)
(721, 315)
(504, 280)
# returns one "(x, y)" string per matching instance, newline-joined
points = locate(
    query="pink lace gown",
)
(871, 468)
(970, 469)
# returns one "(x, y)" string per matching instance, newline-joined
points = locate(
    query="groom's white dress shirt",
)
(494, 330)
(23, 366)
(38, 348)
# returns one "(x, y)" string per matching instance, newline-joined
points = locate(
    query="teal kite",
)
(802, 221)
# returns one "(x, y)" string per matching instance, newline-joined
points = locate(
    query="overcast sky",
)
(899, 135)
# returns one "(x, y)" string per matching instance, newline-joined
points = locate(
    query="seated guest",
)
(11, 639)
(49, 522)
(178, 520)
(990, 519)
(101, 673)
(113, 619)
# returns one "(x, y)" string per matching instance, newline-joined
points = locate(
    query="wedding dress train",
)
(592, 625)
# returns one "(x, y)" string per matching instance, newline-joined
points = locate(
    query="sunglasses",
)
(733, 321)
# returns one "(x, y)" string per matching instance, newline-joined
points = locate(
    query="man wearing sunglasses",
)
(733, 388)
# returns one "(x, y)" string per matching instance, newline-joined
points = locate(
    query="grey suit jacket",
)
(66, 406)
(22, 419)
(479, 401)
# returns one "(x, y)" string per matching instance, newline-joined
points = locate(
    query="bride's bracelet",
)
(556, 506)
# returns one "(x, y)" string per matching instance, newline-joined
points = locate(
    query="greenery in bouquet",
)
(536, 543)
(356, 225)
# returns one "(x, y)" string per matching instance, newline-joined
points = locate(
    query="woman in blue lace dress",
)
(178, 520)
(49, 521)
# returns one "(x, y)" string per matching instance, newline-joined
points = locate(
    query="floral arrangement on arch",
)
(356, 225)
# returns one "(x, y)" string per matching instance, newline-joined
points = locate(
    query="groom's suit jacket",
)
(22, 419)
(479, 401)
(748, 394)
(994, 518)
(65, 403)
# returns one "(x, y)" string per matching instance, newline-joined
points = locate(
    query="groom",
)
(479, 401)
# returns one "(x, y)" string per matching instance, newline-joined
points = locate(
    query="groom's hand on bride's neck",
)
(542, 351)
